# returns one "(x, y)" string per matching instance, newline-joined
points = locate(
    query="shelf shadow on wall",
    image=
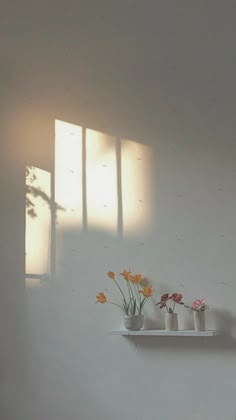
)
(224, 321)
(182, 344)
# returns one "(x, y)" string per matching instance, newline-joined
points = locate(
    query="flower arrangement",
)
(175, 298)
(198, 305)
(134, 297)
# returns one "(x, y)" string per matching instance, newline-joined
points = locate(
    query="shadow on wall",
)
(100, 190)
(226, 322)
(215, 344)
(226, 341)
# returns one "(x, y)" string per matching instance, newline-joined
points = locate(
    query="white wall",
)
(161, 73)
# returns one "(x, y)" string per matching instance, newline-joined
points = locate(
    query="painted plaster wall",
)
(161, 74)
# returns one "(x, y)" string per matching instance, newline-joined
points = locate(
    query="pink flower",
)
(199, 304)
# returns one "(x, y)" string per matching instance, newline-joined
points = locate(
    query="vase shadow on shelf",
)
(153, 324)
(187, 322)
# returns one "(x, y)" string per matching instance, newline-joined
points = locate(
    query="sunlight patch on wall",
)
(68, 173)
(37, 223)
(101, 180)
(135, 181)
(101, 184)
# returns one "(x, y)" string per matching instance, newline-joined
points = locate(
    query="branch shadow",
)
(34, 191)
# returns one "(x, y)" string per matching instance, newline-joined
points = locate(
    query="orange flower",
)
(101, 298)
(111, 274)
(125, 274)
(135, 278)
(147, 291)
(131, 278)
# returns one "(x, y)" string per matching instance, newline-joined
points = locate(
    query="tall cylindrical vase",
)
(171, 322)
(199, 320)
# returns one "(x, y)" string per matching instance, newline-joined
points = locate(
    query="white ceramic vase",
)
(171, 322)
(199, 320)
(133, 322)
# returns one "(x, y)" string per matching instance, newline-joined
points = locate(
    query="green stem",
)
(129, 305)
(139, 295)
(127, 283)
(112, 303)
(120, 291)
(130, 288)
(132, 297)
(142, 304)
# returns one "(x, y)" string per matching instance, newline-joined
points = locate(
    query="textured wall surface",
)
(158, 78)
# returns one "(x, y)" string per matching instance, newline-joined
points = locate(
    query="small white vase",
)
(199, 320)
(133, 322)
(171, 322)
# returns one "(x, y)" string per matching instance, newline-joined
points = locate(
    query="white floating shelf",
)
(180, 333)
